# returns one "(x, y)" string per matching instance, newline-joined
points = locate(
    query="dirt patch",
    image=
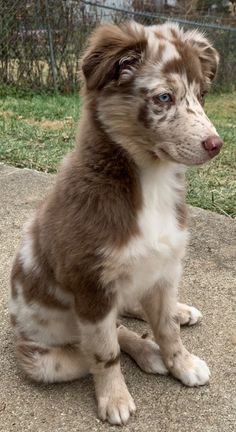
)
(6, 114)
(51, 124)
(45, 124)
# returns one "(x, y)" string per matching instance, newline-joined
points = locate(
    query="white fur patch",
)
(64, 297)
(169, 53)
(46, 326)
(195, 315)
(156, 253)
(198, 374)
(26, 254)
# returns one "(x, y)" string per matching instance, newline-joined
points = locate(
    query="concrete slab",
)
(163, 403)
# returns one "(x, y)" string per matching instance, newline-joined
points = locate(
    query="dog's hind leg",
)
(188, 315)
(142, 349)
(51, 364)
(134, 310)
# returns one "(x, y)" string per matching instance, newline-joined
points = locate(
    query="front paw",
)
(116, 404)
(191, 370)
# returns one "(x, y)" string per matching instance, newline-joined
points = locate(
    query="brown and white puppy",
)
(110, 237)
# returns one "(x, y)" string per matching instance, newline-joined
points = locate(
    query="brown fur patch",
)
(70, 347)
(188, 64)
(143, 116)
(162, 119)
(174, 33)
(107, 363)
(145, 335)
(13, 320)
(57, 366)
(41, 321)
(98, 358)
(112, 361)
(97, 202)
(24, 337)
(35, 286)
(15, 271)
(190, 111)
(160, 35)
(208, 56)
(197, 60)
(29, 351)
(181, 206)
(181, 214)
(112, 49)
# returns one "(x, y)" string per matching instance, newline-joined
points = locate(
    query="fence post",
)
(51, 50)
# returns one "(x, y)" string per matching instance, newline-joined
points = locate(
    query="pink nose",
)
(213, 145)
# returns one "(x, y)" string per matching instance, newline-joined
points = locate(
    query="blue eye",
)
(164, 98)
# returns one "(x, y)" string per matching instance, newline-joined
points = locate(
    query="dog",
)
(110, 237)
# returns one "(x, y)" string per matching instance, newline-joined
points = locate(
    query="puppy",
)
(110, 237)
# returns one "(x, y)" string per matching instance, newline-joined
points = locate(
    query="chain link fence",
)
(41, 41)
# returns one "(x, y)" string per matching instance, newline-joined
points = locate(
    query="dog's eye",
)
(163, 98)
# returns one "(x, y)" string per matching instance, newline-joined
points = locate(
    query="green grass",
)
(213, 186)
(36, 131)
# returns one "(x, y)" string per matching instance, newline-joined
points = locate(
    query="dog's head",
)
(148, 86)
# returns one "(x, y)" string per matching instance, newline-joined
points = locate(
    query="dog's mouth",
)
(163, 154)
(189, 160)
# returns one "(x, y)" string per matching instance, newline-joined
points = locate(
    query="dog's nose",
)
(213, 145)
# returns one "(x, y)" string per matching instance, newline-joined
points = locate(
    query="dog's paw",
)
(116, 406)
(198, 374)
(191, 370)
(189, 315)
(150, 360)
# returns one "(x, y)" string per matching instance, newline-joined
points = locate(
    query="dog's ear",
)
(113, 54)
(209, 58)
(208, 55)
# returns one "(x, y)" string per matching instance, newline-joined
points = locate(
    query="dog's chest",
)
(150, 255)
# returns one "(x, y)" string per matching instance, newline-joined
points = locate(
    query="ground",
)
(163, 404)
(37, 130)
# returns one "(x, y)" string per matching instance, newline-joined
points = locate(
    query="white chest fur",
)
(159, 247)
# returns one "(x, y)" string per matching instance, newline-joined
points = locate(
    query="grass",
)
(36, 131)
(213, 186)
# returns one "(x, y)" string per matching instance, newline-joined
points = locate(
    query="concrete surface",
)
(163, 404)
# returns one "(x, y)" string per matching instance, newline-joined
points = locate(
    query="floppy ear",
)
(208, 55)
(209, 58)
(113, 54)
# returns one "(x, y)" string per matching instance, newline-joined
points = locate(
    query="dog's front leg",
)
(160, 305)
(99, 343)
